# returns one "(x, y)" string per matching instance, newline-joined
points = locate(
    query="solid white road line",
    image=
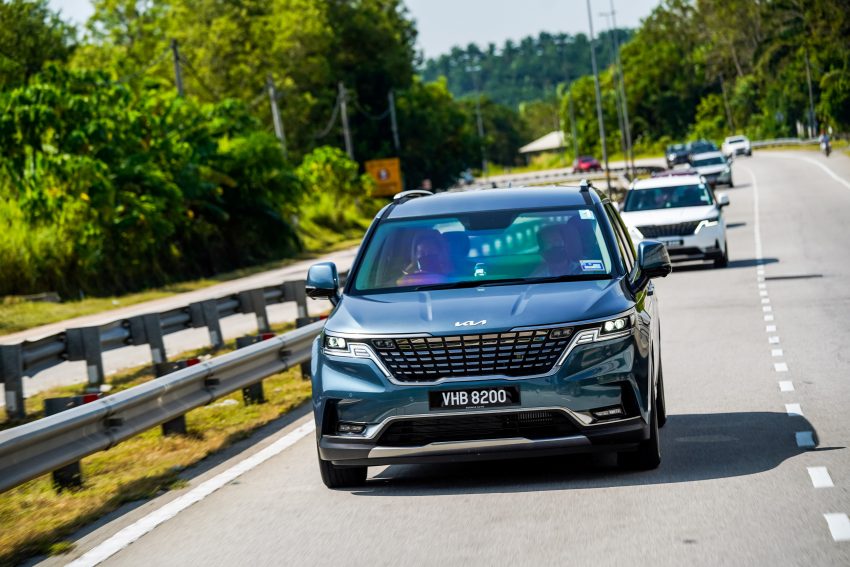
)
(776, 352)
(786, 386)
(839, 526)
(820, 477)
(144, 525)
(794, 410)
(780, 367)
(805, 439)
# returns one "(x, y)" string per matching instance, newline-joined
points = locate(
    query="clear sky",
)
(446, 23)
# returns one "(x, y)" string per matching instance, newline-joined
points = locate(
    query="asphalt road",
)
(745, 350)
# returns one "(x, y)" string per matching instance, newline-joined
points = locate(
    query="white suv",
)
(682, 212)
(736, 146)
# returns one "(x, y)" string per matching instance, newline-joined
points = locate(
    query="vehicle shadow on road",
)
(733, 264)
(694, 447)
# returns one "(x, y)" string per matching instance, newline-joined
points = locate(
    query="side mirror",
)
(722, 200)
(653, 261)
(730, 158)
(323, 282)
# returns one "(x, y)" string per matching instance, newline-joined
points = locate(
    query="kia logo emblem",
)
(470, 323)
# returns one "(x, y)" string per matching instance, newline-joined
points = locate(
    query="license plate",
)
(474, 398)
(674, 242)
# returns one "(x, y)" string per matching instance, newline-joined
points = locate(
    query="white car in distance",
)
(716, 169)
(682, 212)
(737, 146)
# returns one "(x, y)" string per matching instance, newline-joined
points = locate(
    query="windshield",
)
(675, 148)
(668, 198)
(484, 248)
(709, 161)
(735, 140)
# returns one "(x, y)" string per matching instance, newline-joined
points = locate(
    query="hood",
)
(500, 307)
(711, 169)
(668, 216)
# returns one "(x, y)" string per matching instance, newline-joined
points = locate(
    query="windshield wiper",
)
(514, 281)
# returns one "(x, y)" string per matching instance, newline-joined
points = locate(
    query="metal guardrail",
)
(42, 446)
(89, 343)
(784, 142)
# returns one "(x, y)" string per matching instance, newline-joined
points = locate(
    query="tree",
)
(30, 36)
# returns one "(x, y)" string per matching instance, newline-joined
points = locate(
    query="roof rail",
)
(584, 185)
(411, 194)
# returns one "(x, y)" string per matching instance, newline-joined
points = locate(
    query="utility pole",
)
(812, 123)
(623, 92)
(479, 119)
(617, 101)
(394, 123)
(278, 123)
(346, 132)
(573, 121)
(729, 119)
(178, 73)
(598, 100)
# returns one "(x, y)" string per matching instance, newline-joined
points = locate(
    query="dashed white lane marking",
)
(839, 526)
(774, 340)
(770, 329)
(786, 386)
(805, 439)
(768, 317)
(776, 352)
(780, 367)
(765, 301)
(794, 410)
(763, 293)
(820, 477)
(767, 308)
(144, 525)
(762, 286)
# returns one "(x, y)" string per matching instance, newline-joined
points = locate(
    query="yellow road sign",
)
(387, 176)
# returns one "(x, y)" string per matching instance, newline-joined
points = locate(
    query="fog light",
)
(607, 413)
(348, 427)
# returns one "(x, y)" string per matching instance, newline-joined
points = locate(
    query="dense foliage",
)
(521, 72)
(710, 68)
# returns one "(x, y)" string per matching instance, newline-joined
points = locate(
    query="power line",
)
(331, 122)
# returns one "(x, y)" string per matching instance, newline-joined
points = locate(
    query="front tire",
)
(723, 261)
(341, 477)
(648, 455)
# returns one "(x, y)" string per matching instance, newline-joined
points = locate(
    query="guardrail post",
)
(84, 344)
(176, 426)
(306, 372)
(253, 394)
(71, 475)
(296, 291)
(205, 314)
(255, 300)
(153, 335)
(12, 373)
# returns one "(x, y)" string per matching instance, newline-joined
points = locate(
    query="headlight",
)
(707, 223)
(336, 343)
(617, 325)
(671, 157)
(727, 170)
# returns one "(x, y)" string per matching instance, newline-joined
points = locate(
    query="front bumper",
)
(707, 244)
(613, 373)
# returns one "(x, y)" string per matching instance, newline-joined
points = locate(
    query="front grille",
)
(542, 424)
(519, 353)
(678, 229)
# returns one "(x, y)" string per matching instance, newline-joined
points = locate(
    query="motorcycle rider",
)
(824, 143)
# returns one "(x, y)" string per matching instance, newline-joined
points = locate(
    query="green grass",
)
(35, 519)
(18, 315)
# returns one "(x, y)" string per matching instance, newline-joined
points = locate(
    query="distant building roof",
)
(550, 142)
